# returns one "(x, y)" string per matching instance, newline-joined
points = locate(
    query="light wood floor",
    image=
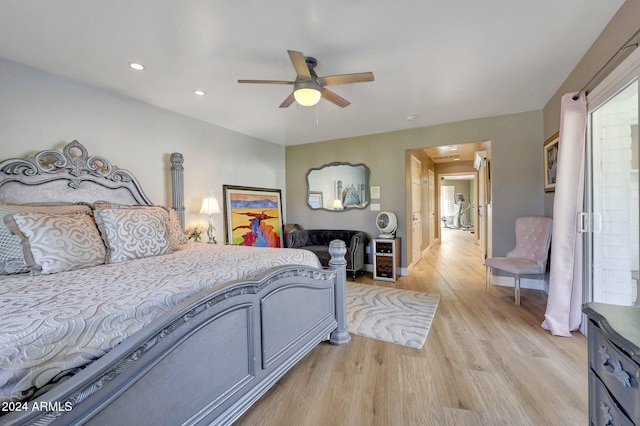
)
(485, 362)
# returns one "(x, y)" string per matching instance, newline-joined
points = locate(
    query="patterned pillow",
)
(57, 243)
(11, 253)
(176, 235)
(133, 233)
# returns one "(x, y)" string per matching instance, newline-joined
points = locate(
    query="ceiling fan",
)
(308, 88)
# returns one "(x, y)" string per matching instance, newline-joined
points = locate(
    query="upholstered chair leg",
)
(517, 289)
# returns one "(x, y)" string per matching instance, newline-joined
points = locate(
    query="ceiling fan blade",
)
(359, 77)
(267, 81)
(290, 99)
(299, 64)
(333, 98)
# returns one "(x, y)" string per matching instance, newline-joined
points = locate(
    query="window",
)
(611, 189)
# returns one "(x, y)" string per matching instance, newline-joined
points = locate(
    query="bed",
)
(189, 334)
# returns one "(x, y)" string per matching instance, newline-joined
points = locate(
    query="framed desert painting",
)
(551, 163)
(253, 216)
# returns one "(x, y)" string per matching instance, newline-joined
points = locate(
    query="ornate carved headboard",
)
(72, 175)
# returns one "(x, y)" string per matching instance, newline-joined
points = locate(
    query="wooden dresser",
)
(614, 364)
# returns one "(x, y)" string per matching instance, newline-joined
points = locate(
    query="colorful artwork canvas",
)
(253, 216)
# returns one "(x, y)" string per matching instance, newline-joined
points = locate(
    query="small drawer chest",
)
(385, 258)
(614, 364)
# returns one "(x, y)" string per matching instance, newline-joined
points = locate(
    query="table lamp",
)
(210, 206)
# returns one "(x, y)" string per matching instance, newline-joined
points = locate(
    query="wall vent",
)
(452, 157)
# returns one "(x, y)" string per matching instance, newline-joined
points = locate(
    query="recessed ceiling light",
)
(411, 117)
(199, 92)
(136, 66)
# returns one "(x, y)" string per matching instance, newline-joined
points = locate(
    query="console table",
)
(614, 364)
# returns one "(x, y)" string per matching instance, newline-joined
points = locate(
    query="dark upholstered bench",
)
(317, 241)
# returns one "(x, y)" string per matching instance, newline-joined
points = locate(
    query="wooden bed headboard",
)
(72, 175)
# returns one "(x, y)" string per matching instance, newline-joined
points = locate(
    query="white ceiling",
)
(442, 61)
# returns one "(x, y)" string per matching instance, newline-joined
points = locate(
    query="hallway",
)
(485, 361)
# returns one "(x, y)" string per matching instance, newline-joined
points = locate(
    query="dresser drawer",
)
(604, 410)
(619, 374)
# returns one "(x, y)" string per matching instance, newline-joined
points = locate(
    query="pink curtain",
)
(563, 313)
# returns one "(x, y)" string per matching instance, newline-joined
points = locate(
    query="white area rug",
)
(392, 315)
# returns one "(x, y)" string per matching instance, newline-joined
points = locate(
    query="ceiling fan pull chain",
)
(317, 113)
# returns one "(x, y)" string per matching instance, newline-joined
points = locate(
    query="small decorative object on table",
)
(195, 233)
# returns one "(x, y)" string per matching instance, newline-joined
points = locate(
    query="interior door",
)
(431, 190)
(480, 164)
(416, 210)
(611, 190)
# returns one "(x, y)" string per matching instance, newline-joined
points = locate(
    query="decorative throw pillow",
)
(174, 229)
(133, 233)
(11, 253)
(57, 243)
(177, 236)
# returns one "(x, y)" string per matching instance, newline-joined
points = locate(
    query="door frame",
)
(613, 84)
(416, 196)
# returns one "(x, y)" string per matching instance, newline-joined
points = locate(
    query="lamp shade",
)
(337, 204)
(307, 94)
(210, 206)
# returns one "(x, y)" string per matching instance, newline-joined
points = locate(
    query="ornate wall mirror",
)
(338, 186)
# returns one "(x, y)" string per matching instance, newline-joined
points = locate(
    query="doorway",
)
(437, 162)
(457, 201)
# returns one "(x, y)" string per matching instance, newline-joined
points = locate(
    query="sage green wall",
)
(621, 27)
(516, 172)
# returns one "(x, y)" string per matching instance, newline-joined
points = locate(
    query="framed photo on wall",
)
(551, 163)
(253, 216)
(315, 199)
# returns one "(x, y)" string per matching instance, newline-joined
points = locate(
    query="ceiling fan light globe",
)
(307, 96)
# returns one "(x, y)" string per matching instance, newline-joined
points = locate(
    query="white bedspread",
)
(53, 323)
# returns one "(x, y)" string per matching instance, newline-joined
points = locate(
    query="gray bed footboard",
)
(206, 360)
(210, 358)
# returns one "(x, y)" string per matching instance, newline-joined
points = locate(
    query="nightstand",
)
(385, 258)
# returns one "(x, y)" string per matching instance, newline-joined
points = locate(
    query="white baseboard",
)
(538, 283)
